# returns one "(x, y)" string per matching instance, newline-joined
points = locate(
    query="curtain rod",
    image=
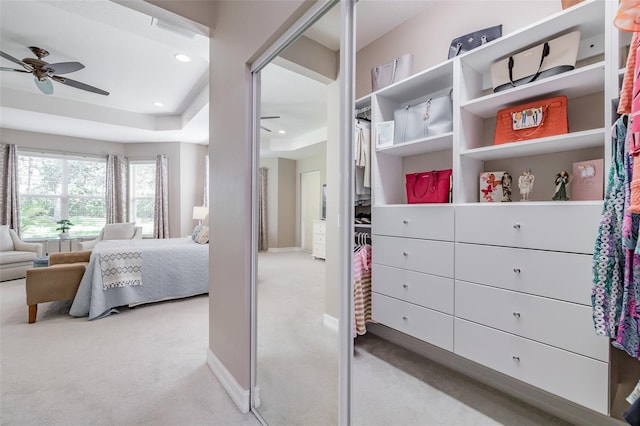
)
(51, 151)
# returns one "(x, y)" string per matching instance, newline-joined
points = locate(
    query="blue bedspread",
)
(171, 268)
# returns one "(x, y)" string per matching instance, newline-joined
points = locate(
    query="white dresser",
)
(319, 234)
(523, 289)
(412, 279)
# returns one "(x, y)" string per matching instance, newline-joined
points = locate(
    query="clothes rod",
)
(364, 109)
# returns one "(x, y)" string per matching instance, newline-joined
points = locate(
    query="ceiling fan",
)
(44, 72)
(268, 117)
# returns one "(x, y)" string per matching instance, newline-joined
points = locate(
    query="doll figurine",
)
(561, 181)
(506, 187)
(525, 183)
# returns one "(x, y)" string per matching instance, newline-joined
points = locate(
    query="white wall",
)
(429, 34)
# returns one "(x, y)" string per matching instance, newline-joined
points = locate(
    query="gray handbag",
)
(429, 118)
(472, 40)
(391, 72)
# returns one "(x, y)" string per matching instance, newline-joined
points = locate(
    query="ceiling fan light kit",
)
(43, 72)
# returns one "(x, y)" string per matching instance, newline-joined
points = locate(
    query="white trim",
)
(284, 249)
(239, 395)
(331, 322)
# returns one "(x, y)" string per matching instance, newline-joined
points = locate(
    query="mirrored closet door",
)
(296, 345)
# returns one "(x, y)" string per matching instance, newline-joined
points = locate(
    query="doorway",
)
(310, 205)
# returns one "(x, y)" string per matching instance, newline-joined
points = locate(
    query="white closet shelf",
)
(588, 17)
(532, 203)
(425, 82)
(579, 82)
(560, 143)
(363, 102)
(419, 146)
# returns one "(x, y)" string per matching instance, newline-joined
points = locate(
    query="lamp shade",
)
(199, 213)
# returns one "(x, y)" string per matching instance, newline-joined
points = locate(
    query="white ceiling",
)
(132, 59)
(124, 54)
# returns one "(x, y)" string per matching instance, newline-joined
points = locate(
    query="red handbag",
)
(428, 187)
(539, 119)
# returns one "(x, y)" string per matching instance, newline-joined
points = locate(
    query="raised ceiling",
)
(125, 52)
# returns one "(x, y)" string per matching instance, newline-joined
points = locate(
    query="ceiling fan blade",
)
(11, 58)
(265, 129)
(269, 117)
(44, 85)
(79, 85)
(12, 69)
(63, 67)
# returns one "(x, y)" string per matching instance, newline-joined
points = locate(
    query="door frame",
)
(302, 204)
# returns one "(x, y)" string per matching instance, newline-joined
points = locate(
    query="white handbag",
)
(544, 60)
(391, 72)
(430, 118)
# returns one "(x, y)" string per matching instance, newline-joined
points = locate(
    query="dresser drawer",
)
(561, 324)
(428, 256)
(567, 227)
(574, 377)
(319, 227)
(434, 222)
(564, 276)
(429, 291)
(422, 323)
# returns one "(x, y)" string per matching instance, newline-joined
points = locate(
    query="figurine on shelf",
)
(506, 187)
(525, 183)
(561, 181)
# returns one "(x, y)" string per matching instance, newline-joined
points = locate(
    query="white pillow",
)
(119, 231)
(6, 243)
(203, 235)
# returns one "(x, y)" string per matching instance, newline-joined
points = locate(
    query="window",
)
(143, 190)
(53, 187)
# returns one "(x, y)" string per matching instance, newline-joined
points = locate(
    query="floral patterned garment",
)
(608, 255)
(627, 337)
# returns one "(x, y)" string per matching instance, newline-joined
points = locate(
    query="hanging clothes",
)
(361, 289)
(608, 254)
(362, 157)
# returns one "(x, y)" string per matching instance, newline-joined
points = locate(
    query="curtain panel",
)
(9, 202)
(161, 205)
(263, 234)
(117, 189)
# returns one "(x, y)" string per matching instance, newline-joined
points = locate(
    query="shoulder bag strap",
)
(545, 53)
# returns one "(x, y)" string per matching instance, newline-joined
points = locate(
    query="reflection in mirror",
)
(296, 365)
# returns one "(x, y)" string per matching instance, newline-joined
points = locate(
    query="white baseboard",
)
(239, 395)
(330, 322)
(283, 249)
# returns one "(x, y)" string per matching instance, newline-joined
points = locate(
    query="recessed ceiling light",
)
(282, 132)
(182, 57)
(158, 104)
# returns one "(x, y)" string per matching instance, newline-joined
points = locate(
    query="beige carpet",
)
(144, 366)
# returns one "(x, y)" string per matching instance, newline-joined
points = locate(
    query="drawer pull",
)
(405, 254)
(405, 285)
(516, 358)
(405, 221)
(516, 314)
(405, 318)
(516, 226)
(516, 270)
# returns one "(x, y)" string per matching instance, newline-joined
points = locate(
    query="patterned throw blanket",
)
(121, 267)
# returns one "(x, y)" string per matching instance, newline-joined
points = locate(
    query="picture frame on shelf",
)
(384, 134)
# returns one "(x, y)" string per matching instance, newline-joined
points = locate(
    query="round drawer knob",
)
(405, 318)
(405, 254)
(516, 314)
(516, 358)
(406, 222)
(516, 270)
(516, 226)
(405, 285)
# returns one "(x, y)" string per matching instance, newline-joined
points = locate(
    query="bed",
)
(133, 272)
